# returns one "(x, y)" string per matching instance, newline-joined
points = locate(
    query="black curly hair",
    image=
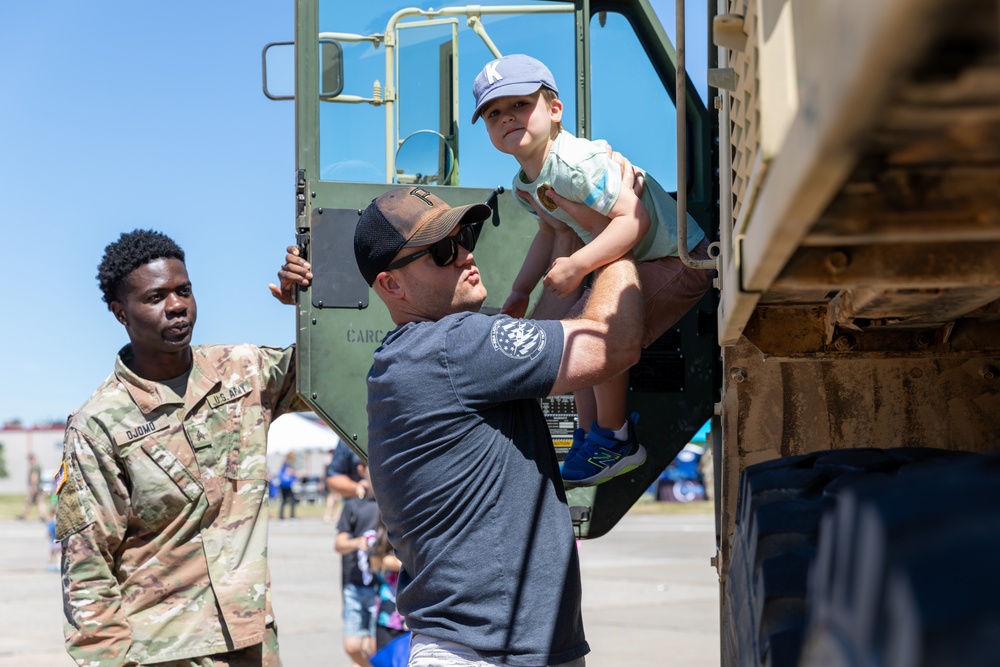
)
(132, 250)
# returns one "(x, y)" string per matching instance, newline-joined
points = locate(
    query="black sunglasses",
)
(445, 251)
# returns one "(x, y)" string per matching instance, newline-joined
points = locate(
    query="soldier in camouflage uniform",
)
(162, 508)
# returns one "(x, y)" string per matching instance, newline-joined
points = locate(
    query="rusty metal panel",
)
(775, 407)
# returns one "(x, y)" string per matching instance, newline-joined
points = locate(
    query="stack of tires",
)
(866, 557)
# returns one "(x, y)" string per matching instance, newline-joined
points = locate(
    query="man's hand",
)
(295, 271)
(587, 217)
(631, 177)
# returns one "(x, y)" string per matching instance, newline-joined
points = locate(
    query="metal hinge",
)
(300, 194)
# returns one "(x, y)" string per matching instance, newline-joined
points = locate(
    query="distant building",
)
(46, 441)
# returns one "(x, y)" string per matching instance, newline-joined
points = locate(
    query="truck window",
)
(436, 60)
(630, 107)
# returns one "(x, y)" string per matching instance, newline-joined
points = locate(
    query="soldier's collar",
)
(147, 394)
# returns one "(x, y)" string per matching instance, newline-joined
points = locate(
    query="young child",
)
(382, 559)
(517, 98)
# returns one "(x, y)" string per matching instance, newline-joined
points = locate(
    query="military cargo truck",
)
(845, 157)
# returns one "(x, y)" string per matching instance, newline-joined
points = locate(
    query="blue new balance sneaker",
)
(579, 439)
(602, 457)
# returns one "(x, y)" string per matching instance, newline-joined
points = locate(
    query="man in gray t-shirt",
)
(459, 454)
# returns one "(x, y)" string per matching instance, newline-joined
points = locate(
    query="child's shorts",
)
(669, 290)
(359, 604)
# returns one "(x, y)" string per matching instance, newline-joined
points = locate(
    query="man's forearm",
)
(607, 338)
(616, 300)
(343, 485)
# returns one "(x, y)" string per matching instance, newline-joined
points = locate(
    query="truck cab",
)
(845, 160)
(384, 98)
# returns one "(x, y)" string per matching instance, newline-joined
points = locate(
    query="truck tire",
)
(897, 578)
(780, 508)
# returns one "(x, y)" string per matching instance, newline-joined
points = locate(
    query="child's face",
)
(520, 124)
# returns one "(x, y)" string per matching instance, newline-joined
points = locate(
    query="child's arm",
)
(627, 222)
(554, 239)
(535, 262)
(345, 544)
(387, 563)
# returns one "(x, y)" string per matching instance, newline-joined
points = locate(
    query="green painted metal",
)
(336, 343)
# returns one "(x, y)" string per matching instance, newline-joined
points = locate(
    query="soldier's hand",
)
(294, 272)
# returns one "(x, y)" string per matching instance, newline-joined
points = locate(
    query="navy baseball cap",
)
(406, 218)
(516, 74)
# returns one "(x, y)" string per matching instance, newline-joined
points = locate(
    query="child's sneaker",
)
(603, 457)
(579, 438)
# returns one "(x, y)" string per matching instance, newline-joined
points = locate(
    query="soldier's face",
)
(158, 307)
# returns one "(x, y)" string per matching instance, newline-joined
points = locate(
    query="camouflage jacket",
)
(162, 509)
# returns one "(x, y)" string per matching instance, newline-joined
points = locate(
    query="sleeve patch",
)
(71, 517)
(518, 339)
(60, 478)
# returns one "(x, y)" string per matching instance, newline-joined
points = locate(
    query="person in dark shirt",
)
(459, 452)
(356, 532)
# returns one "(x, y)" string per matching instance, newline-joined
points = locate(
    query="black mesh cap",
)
(405, 218)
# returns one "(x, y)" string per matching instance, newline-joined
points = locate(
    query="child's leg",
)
(604, 452)
(670, 289)
(586, 407)
(610, 402)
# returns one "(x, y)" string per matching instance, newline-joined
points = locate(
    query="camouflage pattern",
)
(264, 654)
(163, 514)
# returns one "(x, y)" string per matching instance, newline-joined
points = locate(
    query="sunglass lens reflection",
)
(445, 251)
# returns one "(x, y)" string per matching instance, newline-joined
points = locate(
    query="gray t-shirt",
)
(467, 480)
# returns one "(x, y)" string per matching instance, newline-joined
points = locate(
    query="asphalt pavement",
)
(650, 596)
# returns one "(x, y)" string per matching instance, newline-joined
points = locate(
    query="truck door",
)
(384, 98)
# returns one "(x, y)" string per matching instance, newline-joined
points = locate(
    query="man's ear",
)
(118, 310)
(389, 285)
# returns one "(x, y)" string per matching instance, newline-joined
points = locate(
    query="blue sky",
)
(118, 115)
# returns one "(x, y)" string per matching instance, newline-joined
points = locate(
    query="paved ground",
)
(650, 597)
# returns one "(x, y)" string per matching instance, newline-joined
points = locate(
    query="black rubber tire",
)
(780, 508)
(905, 572)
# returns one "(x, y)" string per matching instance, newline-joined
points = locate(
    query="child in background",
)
(55, 546)
(355, 536)
(517, 97)
(382, 559)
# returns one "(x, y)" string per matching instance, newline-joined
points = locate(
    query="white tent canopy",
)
(295, 432)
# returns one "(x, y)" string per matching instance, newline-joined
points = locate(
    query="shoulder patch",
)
(60, 478)
(71, 516)
(518, 339)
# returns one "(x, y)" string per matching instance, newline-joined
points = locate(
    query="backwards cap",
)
(516, 74)
(405, 218)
